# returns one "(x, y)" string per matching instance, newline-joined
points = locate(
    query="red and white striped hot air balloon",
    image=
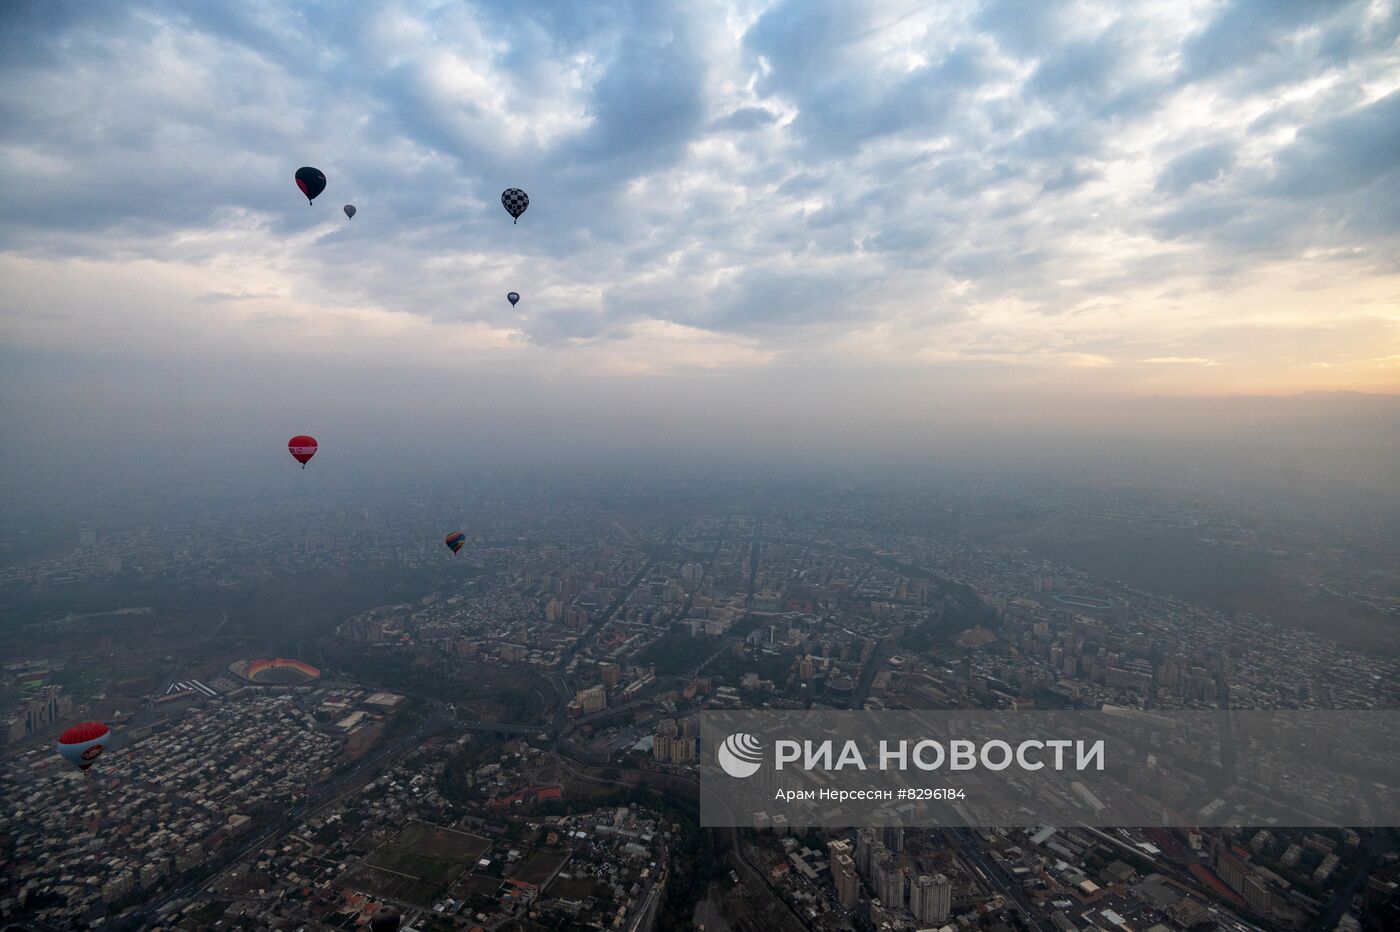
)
(83, 743)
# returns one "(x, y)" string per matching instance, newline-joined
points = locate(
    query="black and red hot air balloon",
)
(312, 182)
(302, 448)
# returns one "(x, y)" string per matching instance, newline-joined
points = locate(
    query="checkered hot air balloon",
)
(515, 201)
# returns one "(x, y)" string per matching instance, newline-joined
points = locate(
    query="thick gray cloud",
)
(820, 57)
(745, 119)
(1343, 153)
(1195, 167)
(1244, 31)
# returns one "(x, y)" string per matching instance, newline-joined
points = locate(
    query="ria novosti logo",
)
(740, 755)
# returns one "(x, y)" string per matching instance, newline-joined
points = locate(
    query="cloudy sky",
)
(847, 207)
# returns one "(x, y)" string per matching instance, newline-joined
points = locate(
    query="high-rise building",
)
(36, 713)
(931, 900)
(611, 673)
(676, 742)
(888, 881)
(844, 878)
(592, 700)
(866, 847)
(661, 747)
(1260, 890)
(893, 837)
(685, 750)
(47, 707)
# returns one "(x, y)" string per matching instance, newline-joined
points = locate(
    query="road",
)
(626, 592)
(1009, 889)
(644, 916)
(727, 643)
(557, 722)
(755, 549)
(883, 650)
(708, 566)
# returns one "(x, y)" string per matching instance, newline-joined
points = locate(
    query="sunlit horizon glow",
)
(1079, 199)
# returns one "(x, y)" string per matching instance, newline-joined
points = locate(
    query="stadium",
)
(275, 671)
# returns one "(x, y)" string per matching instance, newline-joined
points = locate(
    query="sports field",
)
(419, 864)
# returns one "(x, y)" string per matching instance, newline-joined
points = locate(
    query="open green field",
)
(479, 885)
(539, 867)
(419, 864)
(575, 888)
(445, 843)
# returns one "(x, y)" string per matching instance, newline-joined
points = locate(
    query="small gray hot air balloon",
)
(513, 298)
(349, 210)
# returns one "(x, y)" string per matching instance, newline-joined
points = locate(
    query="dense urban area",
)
(507, 738)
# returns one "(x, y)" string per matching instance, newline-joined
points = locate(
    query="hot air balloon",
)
(513, 298)
(349, 210)
(515, 201)
(302, 448)
(385, 919)
(83, 743)
(311, 181)
(456, 541)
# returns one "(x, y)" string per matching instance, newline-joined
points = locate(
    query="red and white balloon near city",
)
(83, 743)
(302, 448)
